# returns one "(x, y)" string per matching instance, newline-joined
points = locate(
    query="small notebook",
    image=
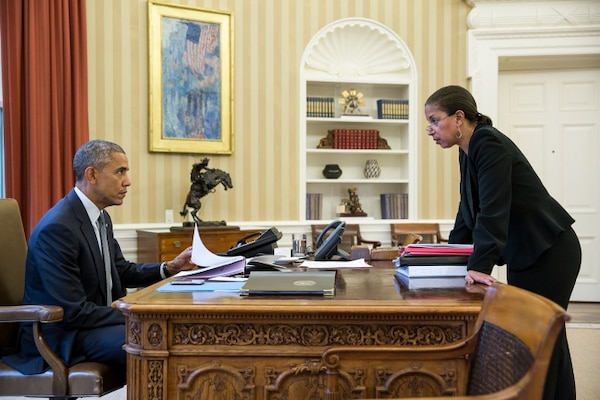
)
(290, 283)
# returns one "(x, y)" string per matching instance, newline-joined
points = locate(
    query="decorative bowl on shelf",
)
(332, 171)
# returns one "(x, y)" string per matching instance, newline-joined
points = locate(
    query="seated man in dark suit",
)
(66, 265)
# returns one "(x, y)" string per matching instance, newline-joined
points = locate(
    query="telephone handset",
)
(327, 244)
(265, 243)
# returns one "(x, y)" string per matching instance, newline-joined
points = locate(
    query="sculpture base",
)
(357, 214)
(205, 226)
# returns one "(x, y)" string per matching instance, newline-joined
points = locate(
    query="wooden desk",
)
(162, 245)
(221, 345)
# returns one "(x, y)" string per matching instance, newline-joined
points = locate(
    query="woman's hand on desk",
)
(479, 277)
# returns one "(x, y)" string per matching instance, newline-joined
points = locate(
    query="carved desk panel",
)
(215, 345)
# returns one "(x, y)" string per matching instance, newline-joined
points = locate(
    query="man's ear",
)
(91, 174)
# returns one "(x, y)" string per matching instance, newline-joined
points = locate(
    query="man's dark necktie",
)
(106, 256)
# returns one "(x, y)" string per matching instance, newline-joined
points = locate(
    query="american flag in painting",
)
(201, 39)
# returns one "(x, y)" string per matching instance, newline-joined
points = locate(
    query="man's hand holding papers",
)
(209, 264)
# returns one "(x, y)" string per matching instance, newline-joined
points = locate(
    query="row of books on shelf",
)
(355, 138)
(392, 109)
(394, 205)
(314, 204)
(324, 107)
(437, 265)
(320, 107)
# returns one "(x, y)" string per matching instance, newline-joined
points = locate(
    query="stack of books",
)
(314, 204)
(433, 265)
(394, 205)
(355, 138)
(320, 107)
(392, 109)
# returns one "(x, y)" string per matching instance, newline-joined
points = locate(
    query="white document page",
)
(207, 260)
(359, 263)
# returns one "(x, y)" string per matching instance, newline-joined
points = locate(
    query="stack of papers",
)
(433, 265)
(209, 264)
(270, 262)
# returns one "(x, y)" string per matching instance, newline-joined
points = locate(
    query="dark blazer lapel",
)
(469, 193)
(466, 191)
(87, 230)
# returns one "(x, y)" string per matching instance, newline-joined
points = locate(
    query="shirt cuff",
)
(164, 272)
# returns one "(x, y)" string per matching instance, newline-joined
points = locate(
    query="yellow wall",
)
(269, 39)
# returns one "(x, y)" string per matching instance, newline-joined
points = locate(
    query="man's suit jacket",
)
(65, 268)
(504, 209)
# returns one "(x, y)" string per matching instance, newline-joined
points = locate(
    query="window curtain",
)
(44, 77)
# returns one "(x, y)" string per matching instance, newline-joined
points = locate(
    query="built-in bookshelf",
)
(373, 64)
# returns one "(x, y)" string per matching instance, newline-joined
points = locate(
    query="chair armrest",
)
(375, 243)
(31, 313)
(38, 315)
(60, 382)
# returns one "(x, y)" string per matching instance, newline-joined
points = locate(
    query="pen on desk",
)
(229, 279)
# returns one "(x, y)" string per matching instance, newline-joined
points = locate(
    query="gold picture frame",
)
(190, 80)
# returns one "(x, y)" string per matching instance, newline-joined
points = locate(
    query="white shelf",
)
(374, 61)
(357, 151)
(356, 121)
(371, 181)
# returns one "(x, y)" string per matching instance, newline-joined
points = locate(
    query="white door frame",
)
(552, 28)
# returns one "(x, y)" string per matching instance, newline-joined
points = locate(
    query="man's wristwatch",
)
(165, 269)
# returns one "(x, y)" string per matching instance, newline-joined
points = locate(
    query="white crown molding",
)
(528, 35)
(536, 32)
(492, 14)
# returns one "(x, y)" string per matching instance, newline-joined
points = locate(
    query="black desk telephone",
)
(327, 245)
(265, 243)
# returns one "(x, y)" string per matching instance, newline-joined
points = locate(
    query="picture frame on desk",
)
(190, 80)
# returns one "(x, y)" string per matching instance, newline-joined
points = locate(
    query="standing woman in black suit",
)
(509, 216)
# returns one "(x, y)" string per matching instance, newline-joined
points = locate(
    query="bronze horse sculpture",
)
(204, 181)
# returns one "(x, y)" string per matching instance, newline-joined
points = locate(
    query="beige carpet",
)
(584, 342)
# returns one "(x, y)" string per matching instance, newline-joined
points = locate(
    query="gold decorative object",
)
(351, 206)
(351, 99)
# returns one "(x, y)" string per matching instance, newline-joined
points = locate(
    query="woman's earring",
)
(458, 134)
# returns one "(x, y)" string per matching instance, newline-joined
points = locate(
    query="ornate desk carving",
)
(221, 345)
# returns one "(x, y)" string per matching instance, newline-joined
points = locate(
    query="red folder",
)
(437, 249)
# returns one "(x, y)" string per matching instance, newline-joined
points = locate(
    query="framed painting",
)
(190, 74)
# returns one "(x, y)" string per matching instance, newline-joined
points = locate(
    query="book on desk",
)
(321, 283)
(429, 282)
